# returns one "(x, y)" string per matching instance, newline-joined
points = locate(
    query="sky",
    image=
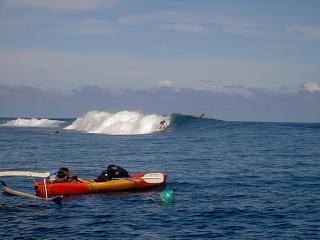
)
(245, 49)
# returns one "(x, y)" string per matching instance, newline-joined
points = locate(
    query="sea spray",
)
(120, 123)
(33, 122)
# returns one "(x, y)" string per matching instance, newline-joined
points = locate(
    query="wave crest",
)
(120, 123)
(33, 122)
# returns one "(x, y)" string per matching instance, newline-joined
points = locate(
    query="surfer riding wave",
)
(163, 124)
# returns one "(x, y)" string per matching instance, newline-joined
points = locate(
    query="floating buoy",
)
(167, 196)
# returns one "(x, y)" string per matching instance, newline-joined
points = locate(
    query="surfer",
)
(202, 115)
(55, 132)
(163, 124)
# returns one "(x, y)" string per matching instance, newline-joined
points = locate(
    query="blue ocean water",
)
(232, 180)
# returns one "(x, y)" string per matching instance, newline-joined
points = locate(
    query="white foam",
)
(33, 122)
(120, 123)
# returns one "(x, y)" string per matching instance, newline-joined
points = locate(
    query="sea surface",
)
(231, 180)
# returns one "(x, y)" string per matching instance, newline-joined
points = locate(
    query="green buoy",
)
(167, 196)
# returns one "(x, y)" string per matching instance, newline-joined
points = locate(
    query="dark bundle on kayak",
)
(112, 172)
(65, 175)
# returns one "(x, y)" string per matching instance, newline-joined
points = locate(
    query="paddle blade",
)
(3, 183)
(57, 200)
(24, 174)
(153, 178)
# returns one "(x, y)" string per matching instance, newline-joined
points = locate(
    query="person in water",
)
(202, 115)
(55, 132)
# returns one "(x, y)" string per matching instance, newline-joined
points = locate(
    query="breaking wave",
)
(120, 123)
(33, 122)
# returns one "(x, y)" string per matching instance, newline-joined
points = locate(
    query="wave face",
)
(120, 123)
(33, 122)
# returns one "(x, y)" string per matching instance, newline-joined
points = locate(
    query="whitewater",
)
(102, 122)
(33, 122)
(119, 123)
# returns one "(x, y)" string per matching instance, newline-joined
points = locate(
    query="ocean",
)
(231, 180)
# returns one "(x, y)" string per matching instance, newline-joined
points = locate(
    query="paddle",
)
(10, 191)
(24, 174)
(148, 178)
(153, 178)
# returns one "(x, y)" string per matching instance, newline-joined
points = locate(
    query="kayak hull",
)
(135, 182)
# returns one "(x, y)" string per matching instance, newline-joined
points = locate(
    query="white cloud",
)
(67, 5)
(312, 87)
(191, 28)
(165, 83)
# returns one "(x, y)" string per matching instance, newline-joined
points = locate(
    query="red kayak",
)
(135, 182)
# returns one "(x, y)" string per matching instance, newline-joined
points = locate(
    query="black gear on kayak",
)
(65, 175)
(112, 172)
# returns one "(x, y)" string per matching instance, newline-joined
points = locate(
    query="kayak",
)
(135, 182)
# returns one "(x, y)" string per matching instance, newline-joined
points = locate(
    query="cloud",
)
(312, 87)
(195, 23)
(42, 70)
(265, 106)
(306, 32)
(85, 26)
(210, 81)
(89, 26)
(162, 17)
(165, 83)
(191, 28)
(67, 70)
(169, 20)
(241, 26)
(66, 5)
(137, 19)
(241, 90)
